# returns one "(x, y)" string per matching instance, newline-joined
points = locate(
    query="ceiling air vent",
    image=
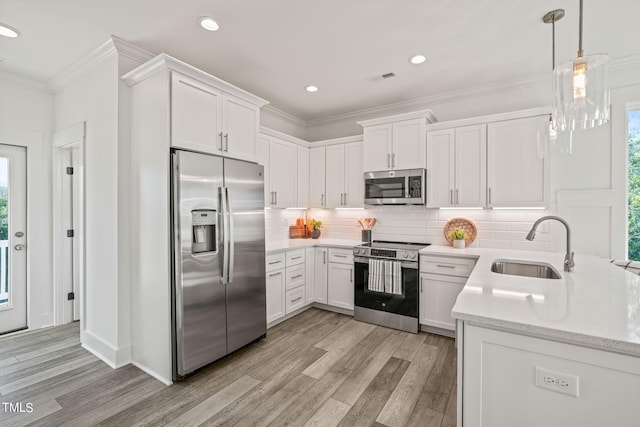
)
(384, 76)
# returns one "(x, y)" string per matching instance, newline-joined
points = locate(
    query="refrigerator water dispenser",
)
(203, 224)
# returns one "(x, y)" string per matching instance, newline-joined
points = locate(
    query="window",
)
(633, 139)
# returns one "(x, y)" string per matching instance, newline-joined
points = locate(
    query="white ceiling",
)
(273, 48)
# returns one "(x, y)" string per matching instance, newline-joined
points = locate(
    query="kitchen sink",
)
(512, 267)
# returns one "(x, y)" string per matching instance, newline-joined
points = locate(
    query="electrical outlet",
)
(557, 381)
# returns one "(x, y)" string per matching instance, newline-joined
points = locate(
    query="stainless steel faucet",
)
(568, 257)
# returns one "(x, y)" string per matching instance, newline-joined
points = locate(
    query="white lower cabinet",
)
(340, 279)
(275, 294)
(437, 296)
(441, 280)
(321, 270)
(515, 380)
(295, 299)
(309, 275)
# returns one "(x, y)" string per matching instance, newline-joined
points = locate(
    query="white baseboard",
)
(152, 373)
(110, 355)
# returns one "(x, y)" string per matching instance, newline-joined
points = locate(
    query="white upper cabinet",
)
(317, 164)
(240, 127)
(517, 177)
(344, 177)
(302, 180)
(396, 142)
(283, 157)
(206, 114)
(456, 167)
(196, 115)
(377, 153)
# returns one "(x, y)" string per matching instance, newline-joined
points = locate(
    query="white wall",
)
(27, 106)
(95, 94)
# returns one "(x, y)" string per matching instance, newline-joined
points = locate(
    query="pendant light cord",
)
(580, 34)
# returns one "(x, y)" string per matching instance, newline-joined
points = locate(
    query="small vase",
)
(459, 244)
(315, 233)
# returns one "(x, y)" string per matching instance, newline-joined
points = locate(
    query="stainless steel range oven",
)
(386, 290)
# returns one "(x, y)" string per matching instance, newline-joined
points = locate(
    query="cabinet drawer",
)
(295, 257)
(450, 266)
(341, 256)
(275, 261)
(295, 276)
(295, 299)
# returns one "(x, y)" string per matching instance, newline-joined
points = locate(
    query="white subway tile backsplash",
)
(496, 228)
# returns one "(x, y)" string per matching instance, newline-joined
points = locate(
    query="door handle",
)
(19, 247)
(19, 234)
(388, 160)
(232, 240)
(324, 257)
(457, 198)
(220, 135)
(296, 276)
(322, 199)
(451, 197)
(421, 280)
(351, 275)
(345, 199)
(393, 160)
(489, 196)
(226, 142)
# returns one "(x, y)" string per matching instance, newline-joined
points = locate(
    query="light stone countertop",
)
(281, 245)
(597, 305)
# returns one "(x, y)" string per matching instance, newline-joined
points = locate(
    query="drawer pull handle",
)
(340, 256)
(297, 299)
(445, 266)
(275, 274)
(296, 257)
(296, 277)
(275, 262)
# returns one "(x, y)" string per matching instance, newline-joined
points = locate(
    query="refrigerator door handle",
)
(177, 264)
(225, 236)
(231, 240)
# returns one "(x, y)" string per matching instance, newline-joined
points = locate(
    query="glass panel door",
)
(13, 239)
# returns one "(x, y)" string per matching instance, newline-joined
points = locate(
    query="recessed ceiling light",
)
(311, 88)
(208, 23)
(8, 31)
(417, 59)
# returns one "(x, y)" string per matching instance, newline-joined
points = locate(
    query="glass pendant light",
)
(581, 91)
(551, 141)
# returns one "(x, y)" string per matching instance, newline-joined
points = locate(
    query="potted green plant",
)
(315, 228)
(458, 235)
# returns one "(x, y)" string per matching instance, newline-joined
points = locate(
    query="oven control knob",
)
(405, 255)
(412, 256)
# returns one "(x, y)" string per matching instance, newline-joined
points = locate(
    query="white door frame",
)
(68, 138)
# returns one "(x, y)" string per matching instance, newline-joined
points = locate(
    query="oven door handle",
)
(404, 264)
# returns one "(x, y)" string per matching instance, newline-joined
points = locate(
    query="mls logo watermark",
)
(17, 407)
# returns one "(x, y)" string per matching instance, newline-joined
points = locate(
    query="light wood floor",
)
(316, 369)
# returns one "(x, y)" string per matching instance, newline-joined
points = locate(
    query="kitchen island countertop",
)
(597, 305)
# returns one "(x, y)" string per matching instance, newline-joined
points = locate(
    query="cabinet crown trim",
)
(166, 62)
(426, 114)
(479, 120)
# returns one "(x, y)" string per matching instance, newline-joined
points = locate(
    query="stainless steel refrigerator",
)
(218, 286)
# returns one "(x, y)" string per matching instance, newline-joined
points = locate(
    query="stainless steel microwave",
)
(397, 187)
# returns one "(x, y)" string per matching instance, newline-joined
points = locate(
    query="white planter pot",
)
(459, 244)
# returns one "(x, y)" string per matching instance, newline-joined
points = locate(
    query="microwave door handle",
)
(406, 186)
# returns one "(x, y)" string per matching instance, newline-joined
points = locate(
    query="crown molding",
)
(96, 56)
(450, 96)
(626, 62)
(334, 141)
(421, 114)
(166, 62)
(284, 115)
(499, 117)
(25, 82)
(283, 136)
